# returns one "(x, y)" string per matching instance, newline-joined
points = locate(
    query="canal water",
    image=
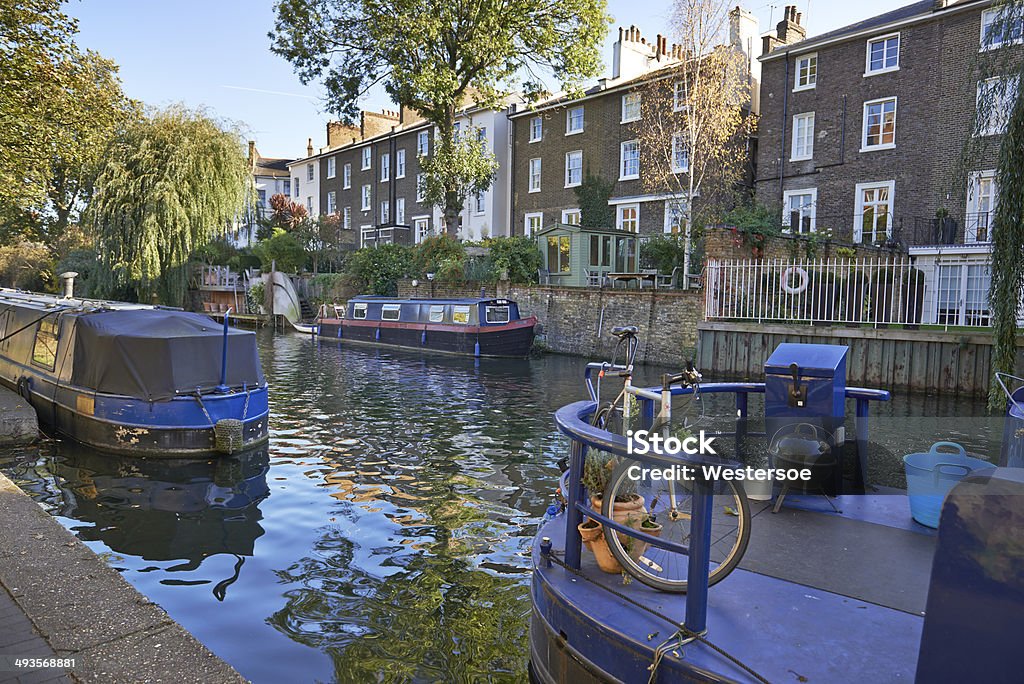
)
(384, 534)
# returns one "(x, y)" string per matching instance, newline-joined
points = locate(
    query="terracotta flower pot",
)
(630, 513)
(639, 547)
(593, 539)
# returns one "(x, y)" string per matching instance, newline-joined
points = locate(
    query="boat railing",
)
(573, 421)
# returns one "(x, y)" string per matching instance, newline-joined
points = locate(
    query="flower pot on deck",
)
(593, 538)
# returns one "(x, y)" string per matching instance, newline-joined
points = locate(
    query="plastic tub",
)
(930, 476)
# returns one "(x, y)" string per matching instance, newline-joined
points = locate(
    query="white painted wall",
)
(309, 191)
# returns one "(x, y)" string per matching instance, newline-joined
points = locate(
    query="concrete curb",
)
(18, 422)
(85, 610)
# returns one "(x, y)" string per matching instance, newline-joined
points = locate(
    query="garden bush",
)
(283, 249)
(516, 257)
(380, 268)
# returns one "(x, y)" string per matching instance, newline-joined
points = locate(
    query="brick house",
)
(369, 176)
(863, 133)
(558, 141)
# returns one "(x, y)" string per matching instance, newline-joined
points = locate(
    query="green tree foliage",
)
(381, 267)
(84, 263)
(1008, 251)
(438, 56)
(455, 173)
(169, 184)
(664, 252)
(442, 255)
(518, 257)
(26, 265)
(282, 251)
(592, 197)
(59, 109)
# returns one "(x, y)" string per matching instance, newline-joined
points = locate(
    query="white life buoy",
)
(801, 275)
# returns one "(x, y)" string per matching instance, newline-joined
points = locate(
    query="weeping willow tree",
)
(169, 184)
(1000, 108)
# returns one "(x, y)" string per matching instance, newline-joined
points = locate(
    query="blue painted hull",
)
(180, 426)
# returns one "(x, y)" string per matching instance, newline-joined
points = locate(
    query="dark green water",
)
(384, 534)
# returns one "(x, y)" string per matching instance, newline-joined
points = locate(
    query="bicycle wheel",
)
(669, 504)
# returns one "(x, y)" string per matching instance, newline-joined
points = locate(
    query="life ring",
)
(801, 274)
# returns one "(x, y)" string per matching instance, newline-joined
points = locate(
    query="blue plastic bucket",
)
(932, 474)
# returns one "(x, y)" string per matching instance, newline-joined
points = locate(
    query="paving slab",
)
(65, 601)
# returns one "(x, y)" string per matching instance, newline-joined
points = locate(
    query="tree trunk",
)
(451, 195)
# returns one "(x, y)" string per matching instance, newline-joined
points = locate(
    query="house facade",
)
(607, 133)
(271, 176)
(871, 133)
(304, 182)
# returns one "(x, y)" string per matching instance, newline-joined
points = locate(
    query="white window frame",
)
(346, 218)
(973, 197)
(400, 163)
(813, 213)
(868, 71)
(569, 183)
(423, 143)
(360, 307)
(367, 158)
(421, 228)
(332, 202)
(532, 177)
(858, 227)
(567, 214)
(346, 176)
(365, 230)
(620, 220)
(864, 146)
(309, 205)
(670, 214)
(385, 167)
(536, 122)
(391, 308)
(385, 212)
(679, 143)
(990, 17)
(569, 130)
(810, 85)
(366, 198)
(332, 167)
(400, 211)
(295, 187)
(996, 125)
(626, 103)
(678, 97)
(795, 153)
(420, 188)
(309, 173)
(622, 160)
(480, 203)
(527, 218)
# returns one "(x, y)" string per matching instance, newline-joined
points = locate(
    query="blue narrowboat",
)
(133, 379)
(473, 327)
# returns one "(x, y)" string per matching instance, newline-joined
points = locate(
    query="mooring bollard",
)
(545, 551)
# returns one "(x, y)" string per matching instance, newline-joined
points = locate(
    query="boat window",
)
(5, 319)
(497, 314)
(437, 313)
(390, 312)
(460, 314)
(359, 310)
(44, 353)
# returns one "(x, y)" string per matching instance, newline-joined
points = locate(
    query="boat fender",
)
(476, 348)
(377, 334)
(423, 337)
(25, 388)
(801, 274)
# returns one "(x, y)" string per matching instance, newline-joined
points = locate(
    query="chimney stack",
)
(787, 31)
(252, 154)
(309, 147)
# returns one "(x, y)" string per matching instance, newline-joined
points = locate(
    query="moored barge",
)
(134, 379)
(473, 327)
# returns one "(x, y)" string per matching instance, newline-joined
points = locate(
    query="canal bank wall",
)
(893, 358)
(60, 600)
(18, 422)
(579, 320)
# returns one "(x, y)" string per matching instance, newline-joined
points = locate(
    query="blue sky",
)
(215, 53)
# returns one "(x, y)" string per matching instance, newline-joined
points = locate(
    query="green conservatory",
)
(576, 256)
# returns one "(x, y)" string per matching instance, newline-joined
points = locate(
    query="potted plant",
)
(629, 510)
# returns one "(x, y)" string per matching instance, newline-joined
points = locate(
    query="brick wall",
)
(578, 321)
(936, 90)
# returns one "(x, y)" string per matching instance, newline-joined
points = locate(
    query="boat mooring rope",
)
(683, 634)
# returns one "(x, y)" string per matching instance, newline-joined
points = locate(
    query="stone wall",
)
(721, 242)
(578, 321)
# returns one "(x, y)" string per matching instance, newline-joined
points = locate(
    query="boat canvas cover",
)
(154, 354)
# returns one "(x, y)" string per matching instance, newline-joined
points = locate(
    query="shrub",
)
(26, 265)
(282, 249)
(517, 257)
(328, 288)
(379, 268)
(664, 252)
(217, 252)
(254, 298)
(442, 255)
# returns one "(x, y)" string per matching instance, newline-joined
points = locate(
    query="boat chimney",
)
(69, 283)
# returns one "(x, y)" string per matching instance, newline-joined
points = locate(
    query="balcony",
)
(974, 230)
